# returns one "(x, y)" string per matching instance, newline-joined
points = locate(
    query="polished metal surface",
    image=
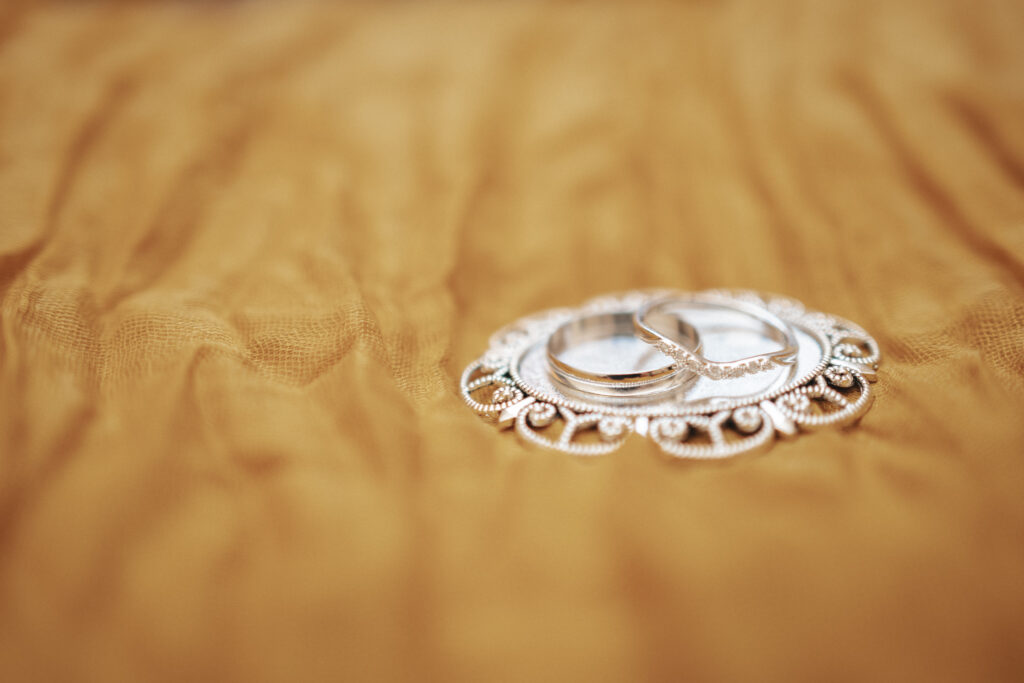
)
(595, 354)
(818, 374)
(655, 317)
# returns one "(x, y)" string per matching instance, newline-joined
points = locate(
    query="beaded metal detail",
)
(828, 387)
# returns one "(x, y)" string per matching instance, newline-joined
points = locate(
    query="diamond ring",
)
(654, 317)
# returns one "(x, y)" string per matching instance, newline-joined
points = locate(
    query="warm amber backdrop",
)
(245, 250)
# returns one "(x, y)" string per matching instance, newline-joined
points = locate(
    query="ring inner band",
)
(600, 326)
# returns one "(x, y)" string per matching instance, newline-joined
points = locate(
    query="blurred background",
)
(247, 247)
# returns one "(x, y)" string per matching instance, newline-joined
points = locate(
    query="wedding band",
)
(691, 359)
(599, 326)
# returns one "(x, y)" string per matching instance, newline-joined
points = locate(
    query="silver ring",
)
(691, 359)
(598, 326)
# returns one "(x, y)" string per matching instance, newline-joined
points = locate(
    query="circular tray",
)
(827, 385)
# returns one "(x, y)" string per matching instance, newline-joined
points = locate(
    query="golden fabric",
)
(246, 249)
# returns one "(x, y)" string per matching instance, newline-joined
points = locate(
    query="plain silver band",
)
(602, 326)
(692, 360)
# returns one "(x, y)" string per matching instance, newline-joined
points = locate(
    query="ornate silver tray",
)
(828, 384)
